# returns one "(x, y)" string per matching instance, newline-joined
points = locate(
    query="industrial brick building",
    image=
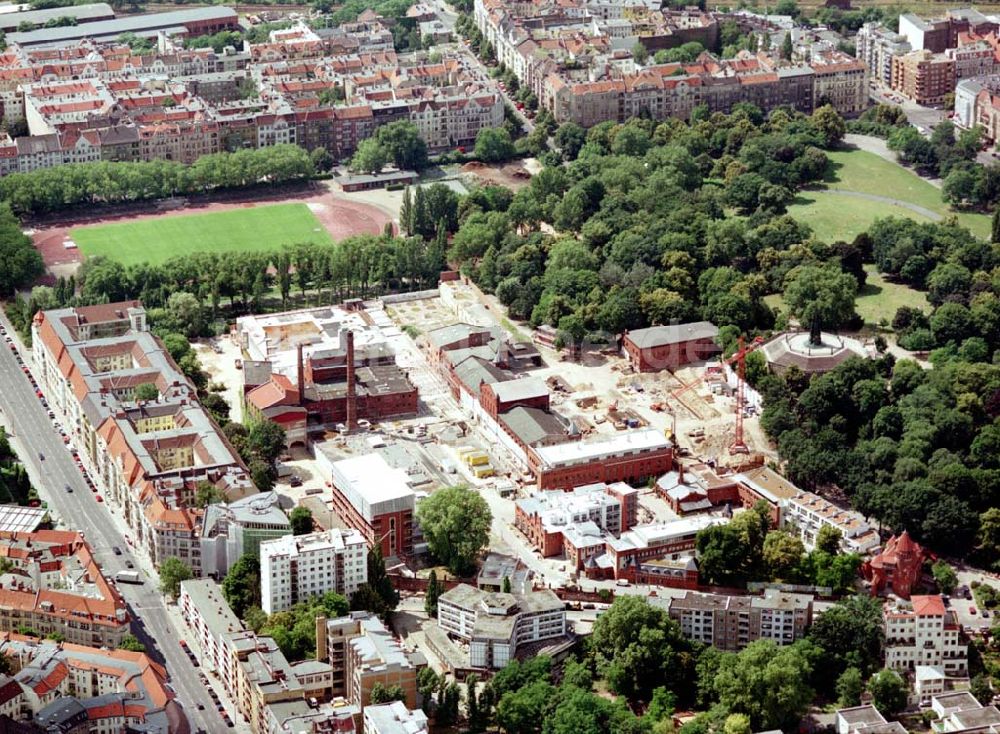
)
(623, 457)
(373, 498)
(669, 347)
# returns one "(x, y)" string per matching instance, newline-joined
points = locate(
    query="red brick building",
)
(545, 517)
(375, 499)
(897, 567)
(339, 387)
(669, 347)
(628, 457)
(499, 397)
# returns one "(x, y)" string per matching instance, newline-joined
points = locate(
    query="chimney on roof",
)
(300, 373)
(352, 406)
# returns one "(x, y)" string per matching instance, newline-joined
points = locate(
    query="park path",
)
(871, 144)
(923, 211)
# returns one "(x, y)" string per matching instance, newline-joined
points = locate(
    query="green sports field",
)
(257, 229)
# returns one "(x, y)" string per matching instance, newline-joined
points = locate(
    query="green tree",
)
(782, 554)
(637, 647)
(850, 635)
(944, 576)
(829, 124)
(266, 441)
(820, 297)
(981, 687)
(130, 643)
(640, 53)
(456, 523)
(569, 138)
(888, 691)
(850, 686)
(403, 143)
(301, 519)
(995, 230)
(381, 693)
(494, 145)
(22, 263)
(377, 595)
(505, 587)
(206, 494)
(522, 711)
(321, 159)
(736, 724)
(766, 682)
(241, 586)
(370, 157)
(828, 540)
(786, 47)
(432, 594)
(146, 391)
(172, 571)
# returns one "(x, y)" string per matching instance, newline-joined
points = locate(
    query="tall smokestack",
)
(300, 374)
(352, 406)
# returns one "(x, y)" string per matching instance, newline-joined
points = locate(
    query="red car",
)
(972, 609)
(100, 499)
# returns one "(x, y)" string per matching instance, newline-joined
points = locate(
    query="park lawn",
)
(880, 299)
(877, 301)
(257, 229)
(867, 173)
(834, 217)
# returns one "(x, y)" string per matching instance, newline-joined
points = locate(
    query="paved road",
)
(153, 624)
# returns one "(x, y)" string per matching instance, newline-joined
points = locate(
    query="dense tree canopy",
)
(456, 523)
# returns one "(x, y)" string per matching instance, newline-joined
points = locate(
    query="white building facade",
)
(297, 567)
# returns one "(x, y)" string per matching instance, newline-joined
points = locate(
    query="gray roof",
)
(532, 424)
(657, 336)
(452, 333)
(128, 24)
(206, 596)
(475, 370)
(522, 389)
(82, 13)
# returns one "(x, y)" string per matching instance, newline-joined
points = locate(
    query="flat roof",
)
(128, 24)
(371, 485)
(573, 452)
(82, 14)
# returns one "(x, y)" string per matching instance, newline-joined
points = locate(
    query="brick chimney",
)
(300, 374)
(352, 400)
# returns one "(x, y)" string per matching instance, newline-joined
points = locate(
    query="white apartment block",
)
(495, 624)
(297, 567)
(924, 634)
(807, 513)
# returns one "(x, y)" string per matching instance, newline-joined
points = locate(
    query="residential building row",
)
(732, 622)
(150, 455)
(88, 98)
(53, 585)
(330, 693)
(581, 69)
(67, 687)
(697, 487)
(926, 59)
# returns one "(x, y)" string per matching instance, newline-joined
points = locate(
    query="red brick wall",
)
(628, 469)
(669, 356)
